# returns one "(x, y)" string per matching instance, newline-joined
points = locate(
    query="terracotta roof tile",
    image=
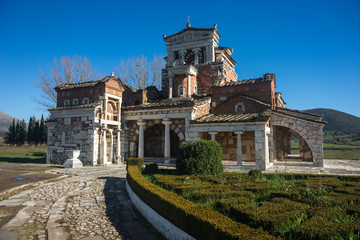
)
(90, 105)
(233, 117)
(83, 84)
(301, 114)
(170, 103)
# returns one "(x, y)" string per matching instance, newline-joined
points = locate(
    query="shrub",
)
(201, 157)
(151, 168)
(196, 220)
(255, 174)
(139, 162)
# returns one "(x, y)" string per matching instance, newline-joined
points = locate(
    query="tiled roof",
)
(83, 84)
(90, 105)
(170, 103)
(130, 87)
(265, 78)
(190, 29)
(301, 114)
(233, 117)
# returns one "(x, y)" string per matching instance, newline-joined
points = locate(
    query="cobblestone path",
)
(90, 204)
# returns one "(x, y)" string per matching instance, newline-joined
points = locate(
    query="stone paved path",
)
(90, 204)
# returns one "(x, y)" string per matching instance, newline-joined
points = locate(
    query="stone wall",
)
(70, 133)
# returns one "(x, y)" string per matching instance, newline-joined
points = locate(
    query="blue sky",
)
(313, 47)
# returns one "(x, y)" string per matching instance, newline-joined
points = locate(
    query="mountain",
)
(5, 121)
(342, 123)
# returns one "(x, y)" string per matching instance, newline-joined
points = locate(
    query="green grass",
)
(342, 154)
(23, 154)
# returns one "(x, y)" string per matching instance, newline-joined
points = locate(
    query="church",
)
(201, 98)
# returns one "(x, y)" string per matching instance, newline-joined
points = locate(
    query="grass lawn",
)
(287, 206)
(22, 154)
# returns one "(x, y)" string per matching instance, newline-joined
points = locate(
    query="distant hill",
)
(341, 122)
(5, 121)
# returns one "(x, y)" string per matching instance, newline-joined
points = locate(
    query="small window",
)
(75, 102)
(86, 101)
(239, 108)
(66, 103)
(181, 90)
(195, 90)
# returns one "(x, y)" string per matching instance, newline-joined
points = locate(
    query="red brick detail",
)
(228, 106)
(202, 110)
(263, 91)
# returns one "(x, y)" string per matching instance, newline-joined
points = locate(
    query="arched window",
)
(195, 89)
(181, 90)
(240, 108)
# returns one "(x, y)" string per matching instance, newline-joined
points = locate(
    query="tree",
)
(43, 131)
(37, 134)
(10, 135)
(20, 132)
(68, 70)
(16, 134)
(140, 72)
(31, 131)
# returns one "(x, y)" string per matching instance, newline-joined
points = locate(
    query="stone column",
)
(189, 85)
(111, 146)
(105, 108)
(118, 146)
(238, 148)
(170, 87)
(104, 158)
(141, 124)
(167, 123)
(182, 53)
(262, 149)
(213, 135)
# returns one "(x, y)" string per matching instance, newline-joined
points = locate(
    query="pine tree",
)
(10, 135)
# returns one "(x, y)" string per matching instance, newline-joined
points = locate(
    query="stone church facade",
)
(201, 98)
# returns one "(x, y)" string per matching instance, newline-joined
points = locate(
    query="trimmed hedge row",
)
(196, 220)
(284, 208)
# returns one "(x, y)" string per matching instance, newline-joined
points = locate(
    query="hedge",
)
(196, 220)
(139, 162)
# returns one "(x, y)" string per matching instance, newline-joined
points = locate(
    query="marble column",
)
(141, 124)
(104, 149)
(111, 147)
(118, 146)
(213, 135)
(170, 87)
(238, 147)
(167, 123)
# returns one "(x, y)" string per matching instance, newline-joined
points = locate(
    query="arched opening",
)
(290, 145)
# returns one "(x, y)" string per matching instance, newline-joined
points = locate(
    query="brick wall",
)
(228, 106)
(262, 91)
(93, 93)
(202, 110)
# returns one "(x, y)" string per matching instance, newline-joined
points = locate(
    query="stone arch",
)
(311, 132)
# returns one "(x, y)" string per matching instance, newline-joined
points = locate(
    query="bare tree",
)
(69, 70)
(140, 72)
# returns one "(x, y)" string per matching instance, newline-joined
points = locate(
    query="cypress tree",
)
(43, 132)
(10, 135)
(31, 131)
(37, 134)
(21, 132)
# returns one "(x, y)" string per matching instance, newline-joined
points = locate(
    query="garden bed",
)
(283, 205)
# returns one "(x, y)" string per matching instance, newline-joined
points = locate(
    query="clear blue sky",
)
(313, 47)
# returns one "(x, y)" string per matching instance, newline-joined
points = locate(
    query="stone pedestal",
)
(73, 161)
